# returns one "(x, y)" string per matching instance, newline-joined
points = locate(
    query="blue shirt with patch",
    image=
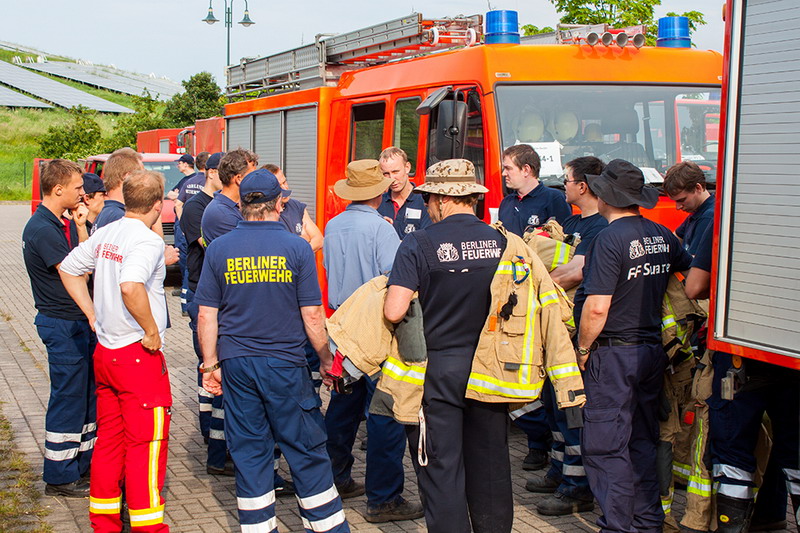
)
(412, 215)
(533, 209)
(220, 217)
(692, 229)
(191, 187)
(586, 228)
(111, 212)
(631, 260)
(259, 276)
(292, 216)
(705, 247)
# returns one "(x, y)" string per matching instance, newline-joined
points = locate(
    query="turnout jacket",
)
(513, 354)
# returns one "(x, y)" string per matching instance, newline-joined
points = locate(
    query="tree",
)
(148, 116)
(201, 98)
(79, 137)
(530, 29)
(695, 19)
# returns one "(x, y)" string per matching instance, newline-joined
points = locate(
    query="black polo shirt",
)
(631, 261)
(45, 245)
(412, 215)
(451, 264)
(534, 209)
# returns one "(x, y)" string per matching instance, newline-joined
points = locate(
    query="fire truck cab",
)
(428, 87)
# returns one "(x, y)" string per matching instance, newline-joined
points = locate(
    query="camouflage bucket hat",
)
(453, 177)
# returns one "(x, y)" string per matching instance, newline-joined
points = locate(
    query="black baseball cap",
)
(186, 158)
(92, 183)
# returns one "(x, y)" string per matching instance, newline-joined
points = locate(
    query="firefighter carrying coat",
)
(520, 342)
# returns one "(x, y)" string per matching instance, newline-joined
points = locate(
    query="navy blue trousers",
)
(386, 445)
(734, 428)
(269, 401)
(620, 435)
(71, 419)
(566, 462)
(183, 248)
(536, 428)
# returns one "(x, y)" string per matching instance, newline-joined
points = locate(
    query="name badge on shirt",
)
(413, 213)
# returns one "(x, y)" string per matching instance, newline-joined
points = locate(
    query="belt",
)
(618, 342)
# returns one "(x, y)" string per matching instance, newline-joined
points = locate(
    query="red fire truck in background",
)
(755, 287)
(206, 135)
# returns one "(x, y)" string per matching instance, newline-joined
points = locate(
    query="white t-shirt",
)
(125, 250)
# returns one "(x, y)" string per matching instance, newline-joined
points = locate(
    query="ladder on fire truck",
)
(320, 63)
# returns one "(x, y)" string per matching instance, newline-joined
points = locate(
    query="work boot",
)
(228, 470)
(398, 509)
(535, 460)
(733, 514)
(76, 489)
(559, 505)
(350, 489)
(543, 485)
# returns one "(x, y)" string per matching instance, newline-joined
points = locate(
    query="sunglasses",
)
(426, 196)
(567, 180)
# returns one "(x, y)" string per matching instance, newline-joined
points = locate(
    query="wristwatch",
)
(583, 351)
(208, 369)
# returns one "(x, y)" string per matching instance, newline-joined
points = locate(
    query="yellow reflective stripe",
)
(507, 267)
(155, 451)
(667, 322)
(549, 297)
(571, 321)
(399, 371)
(527, 343)
(563, 371)
(495, 387)
(105, 505)
(147, 517)
(560, 255)
(698, 484)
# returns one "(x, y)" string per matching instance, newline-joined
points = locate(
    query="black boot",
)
(733, 514)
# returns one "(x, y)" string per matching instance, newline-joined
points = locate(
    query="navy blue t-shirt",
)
(705, 247)
(292, 216)
(533, 209)
(44, 245)
(111, 212)
(220, 217)
(453, 278)
(631, 259)
(258, 276)
(178, 186)
(586, 228)
(191, 187)
(412, 215)
(692, 229)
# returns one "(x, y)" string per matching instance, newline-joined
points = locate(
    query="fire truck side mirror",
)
(451, 130)
(433, 100)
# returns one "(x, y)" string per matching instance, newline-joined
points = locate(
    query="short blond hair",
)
(119, 164)
(394, 151)
(57, 172)
(141, 190)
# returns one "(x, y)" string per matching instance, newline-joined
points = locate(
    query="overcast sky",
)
(167, 37)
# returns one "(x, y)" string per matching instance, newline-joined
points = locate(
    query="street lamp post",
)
(246, 21)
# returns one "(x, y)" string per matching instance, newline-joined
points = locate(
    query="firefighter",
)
(134, 399)
(627, 267)
(566, 480)
(399, 205)
(685, 184)
(742, 392)
(531, 203)
(467, 479)
(258, 358)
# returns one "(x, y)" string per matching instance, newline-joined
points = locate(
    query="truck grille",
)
(169, 228)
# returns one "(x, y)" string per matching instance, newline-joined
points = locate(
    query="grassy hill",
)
(19, 129)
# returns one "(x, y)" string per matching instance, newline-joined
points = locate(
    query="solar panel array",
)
(108, 78)
(9, 98)
(53, 91)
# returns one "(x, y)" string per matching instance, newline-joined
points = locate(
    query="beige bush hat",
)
(364, 181)
(452, 177)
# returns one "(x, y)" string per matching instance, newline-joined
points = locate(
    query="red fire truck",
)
(755, 291)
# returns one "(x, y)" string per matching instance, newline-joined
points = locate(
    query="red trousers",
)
(133, 414)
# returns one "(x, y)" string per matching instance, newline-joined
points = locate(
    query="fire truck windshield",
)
(170, 170)
(651, 126)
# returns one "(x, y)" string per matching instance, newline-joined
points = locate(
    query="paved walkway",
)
(196, 502)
